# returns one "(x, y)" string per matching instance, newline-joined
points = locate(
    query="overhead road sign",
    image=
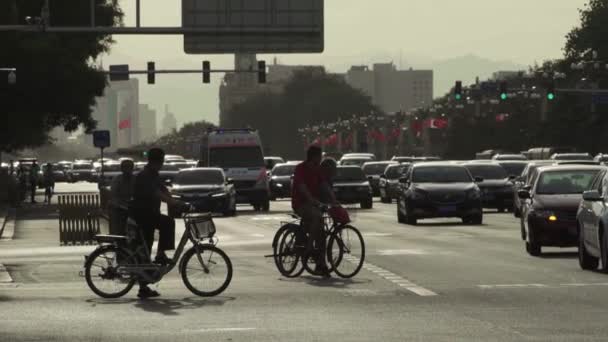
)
(255, 26)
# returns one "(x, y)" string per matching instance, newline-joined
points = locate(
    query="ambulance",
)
(239, 153)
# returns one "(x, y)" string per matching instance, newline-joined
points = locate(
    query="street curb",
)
(5, 277)
(8, 226)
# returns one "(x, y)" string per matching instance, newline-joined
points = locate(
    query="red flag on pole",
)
(126, 123)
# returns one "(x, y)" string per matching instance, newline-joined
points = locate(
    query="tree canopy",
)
(310, 97)
(57, 81)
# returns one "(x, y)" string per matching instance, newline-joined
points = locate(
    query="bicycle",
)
(343, 243)
(117, 266)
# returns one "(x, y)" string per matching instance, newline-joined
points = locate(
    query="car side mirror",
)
(382, 176)
(478, 179)
(403, 180)
(592, 196)
(168, 182)
(229, 181)
(523, 194)
(512, 177)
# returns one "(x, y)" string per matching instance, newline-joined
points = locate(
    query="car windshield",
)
(353, 162)
(240, 157)
(396, 172)
(487, 171)
(283, 170)
(514, 169)
(82, 166)
(349, 174)
(169, 167)
(441, 174)
(565, 182)
(202, 177)
(375, 169)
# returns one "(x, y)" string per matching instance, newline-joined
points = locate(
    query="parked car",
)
(523, 182)
(503, 156)
(373, 170)
(81, 171)
(207, 189)
(592, 219)
(351, 186)
(496, 187)
(571, 156)
(280, 181)
(270, 162)
(439, 189)
(549, 207)
(389, 181)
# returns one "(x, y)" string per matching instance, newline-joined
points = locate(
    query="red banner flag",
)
(126, 123)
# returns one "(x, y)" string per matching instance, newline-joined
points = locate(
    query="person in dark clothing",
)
(33, 177)
(148, 193)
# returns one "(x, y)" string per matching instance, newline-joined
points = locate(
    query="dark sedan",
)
(168, 172)
(549, 209)
(207, 189)
(80, 172)
(592, 218)
(389, 181)
(280, 181)
(523, 182)
(439, 190)
(351, 186)
(496, 187)
(373, 171)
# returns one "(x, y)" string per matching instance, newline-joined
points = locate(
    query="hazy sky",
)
(413, 32)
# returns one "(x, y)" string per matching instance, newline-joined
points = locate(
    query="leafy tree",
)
(309, 98)
(57, 81)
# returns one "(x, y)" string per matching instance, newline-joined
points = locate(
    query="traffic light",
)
(261, 72)
(458, 91)
(551, 91)
(503, 91)
(206, 72)
(151, 74)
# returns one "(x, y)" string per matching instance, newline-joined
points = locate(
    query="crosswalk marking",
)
(396, 279)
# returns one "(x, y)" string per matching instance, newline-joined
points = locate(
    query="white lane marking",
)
(537, 286)
(257, 235)
(269, 218)
(5, 277)
(398, 280)
(402, 252)
(230, 329)
(375, 234)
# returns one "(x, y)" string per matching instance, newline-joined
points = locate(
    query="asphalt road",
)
(438, 281)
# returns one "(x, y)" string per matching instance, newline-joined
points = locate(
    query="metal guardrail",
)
(79, 218)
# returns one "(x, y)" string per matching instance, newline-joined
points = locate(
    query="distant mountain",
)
(465, 69)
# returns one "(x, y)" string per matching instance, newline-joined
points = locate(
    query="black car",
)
(523, 182)
(389, 181)
(280, 181)
(373, 171)
(351, 186)
(432, 190)
(549, 209)
(168, 172)
(207, 189)
(496, 187)
(80, 171)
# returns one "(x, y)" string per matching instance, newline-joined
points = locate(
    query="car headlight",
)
(474, 194)
(543, 213)
(418, 194)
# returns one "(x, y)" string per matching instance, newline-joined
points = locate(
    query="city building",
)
(118, 111)
(393, 90)
(505, 75)
(237, 87)
(169, 123)
(147, 123)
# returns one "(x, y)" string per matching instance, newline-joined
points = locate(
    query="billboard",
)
(254, 26)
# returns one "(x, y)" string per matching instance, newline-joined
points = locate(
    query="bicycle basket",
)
(201, 225)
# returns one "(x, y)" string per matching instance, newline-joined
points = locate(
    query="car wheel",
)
(533, 247)
(586, 260)
(604, 252)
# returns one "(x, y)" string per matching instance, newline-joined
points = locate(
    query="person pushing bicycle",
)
(308, 188)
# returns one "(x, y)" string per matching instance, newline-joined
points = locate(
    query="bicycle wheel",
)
(347, 251)
(103, 275)
(288, 256)
(206, 270)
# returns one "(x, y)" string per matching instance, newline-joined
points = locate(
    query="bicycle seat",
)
(109, 238)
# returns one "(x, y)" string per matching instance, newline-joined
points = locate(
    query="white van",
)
(239, 153)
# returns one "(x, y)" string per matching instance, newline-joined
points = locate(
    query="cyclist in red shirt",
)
(308, 181)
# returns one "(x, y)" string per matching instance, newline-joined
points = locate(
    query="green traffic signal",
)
(458, 97)
(503, 96)
(550, 96)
